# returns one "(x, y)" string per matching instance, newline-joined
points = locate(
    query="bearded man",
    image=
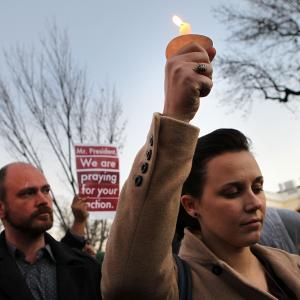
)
(33, 265)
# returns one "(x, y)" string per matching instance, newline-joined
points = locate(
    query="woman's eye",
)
(257, 189)
(229, 194)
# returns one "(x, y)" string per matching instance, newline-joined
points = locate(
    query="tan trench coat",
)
(138, 263)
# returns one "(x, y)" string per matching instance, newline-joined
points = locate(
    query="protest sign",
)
(98, 179)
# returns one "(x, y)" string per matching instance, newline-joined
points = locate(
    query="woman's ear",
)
(190, 204)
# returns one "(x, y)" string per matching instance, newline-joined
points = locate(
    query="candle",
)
(185, 38)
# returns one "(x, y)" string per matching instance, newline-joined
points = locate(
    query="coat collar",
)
(193, 246)
(61, 252)
(282, 263)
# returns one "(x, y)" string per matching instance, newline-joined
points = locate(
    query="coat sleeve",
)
(73, 241)
(138, 262)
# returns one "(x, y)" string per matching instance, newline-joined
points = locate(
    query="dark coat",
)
(72, 241)
(78, 274)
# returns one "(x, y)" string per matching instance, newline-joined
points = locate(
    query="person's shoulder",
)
(275, 254)
(63, 252)
(275, 251)
(81, 255)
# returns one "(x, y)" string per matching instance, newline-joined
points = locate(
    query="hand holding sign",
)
(80, 209)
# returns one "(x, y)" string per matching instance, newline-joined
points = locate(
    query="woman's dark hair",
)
(208, 147)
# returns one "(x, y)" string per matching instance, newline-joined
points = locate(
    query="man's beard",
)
(30, 226)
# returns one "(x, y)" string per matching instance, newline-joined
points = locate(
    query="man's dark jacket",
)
(77, 274)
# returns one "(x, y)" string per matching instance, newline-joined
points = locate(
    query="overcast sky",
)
(124, 42)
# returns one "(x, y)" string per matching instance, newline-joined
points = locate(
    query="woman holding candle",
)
(223, 193)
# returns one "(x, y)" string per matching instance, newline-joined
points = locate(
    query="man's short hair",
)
(2, 188)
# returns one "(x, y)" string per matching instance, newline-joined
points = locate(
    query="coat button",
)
(151, 140)
(217, 270)
(144, 167)
(149, 154)
(138, 180)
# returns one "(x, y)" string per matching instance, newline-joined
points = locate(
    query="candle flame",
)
(184, 28)
(177, 20)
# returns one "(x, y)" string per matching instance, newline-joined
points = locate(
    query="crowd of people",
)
(199, 201)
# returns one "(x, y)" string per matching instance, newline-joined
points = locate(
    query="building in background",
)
(288, 196)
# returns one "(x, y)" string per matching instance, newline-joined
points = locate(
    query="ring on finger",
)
(200, 68)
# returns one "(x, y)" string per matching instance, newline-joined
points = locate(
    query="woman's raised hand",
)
(188, 76)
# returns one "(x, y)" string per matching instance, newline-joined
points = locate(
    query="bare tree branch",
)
(50, 100)
(263, 60)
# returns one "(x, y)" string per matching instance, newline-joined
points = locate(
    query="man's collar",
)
(15, 253)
